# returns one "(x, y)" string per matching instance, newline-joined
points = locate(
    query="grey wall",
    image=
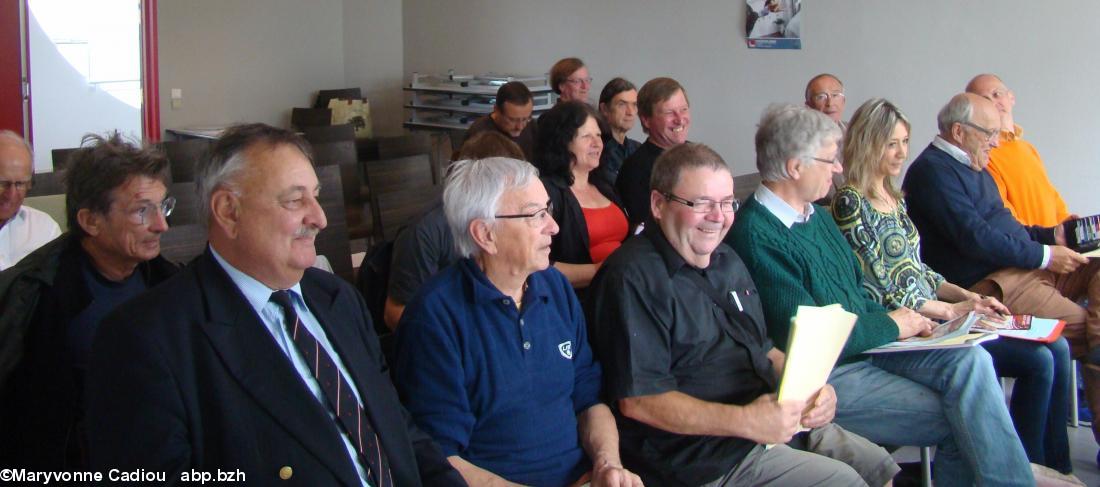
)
(246, 60)
(373, 58)
(916, 53)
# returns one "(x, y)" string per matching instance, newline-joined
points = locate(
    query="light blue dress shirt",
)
(783, 211)
(271, 314)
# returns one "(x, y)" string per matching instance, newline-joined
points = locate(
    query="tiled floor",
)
(1082, 446)
(1083, 452)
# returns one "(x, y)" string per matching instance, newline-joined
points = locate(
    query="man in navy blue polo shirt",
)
(492, 355)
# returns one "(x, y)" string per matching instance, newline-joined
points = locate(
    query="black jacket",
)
(188, 377)
(571, 244)
(40, 394)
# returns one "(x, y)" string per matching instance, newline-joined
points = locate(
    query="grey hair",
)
(788, 131)
(218, 173)
(473, 191)
(958, 110)
(8, 134)
(227, 159)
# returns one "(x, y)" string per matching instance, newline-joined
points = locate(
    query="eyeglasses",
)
(20, 186)
(516, 120)
(579, 81)
(704, 205)
(821, 97)
(140, 215)
(989, 133)
(834, 160)
(534, 219)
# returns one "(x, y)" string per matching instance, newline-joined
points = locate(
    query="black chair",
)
(47, 183)
(182, 243)
(334, 145)
(300, 118)
(187, 204)
(324, 96)
(400, 189)
(184, 156)
(61, 157)
(332, 242)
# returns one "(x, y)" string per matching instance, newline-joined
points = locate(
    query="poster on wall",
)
(773, 24)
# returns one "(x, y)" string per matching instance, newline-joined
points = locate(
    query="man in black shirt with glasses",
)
(689, 369)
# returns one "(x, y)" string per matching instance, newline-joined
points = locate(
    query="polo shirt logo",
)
(566, 349)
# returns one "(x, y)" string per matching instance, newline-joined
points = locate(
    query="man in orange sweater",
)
(1015, 164)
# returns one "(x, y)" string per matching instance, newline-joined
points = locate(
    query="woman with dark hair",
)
(592, 222)
(872, 216)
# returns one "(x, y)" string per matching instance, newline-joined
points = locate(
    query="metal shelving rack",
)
(453, 102)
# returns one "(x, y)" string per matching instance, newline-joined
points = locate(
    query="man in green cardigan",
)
(797, 256)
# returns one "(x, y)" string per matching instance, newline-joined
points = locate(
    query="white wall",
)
(247, 60)
(916, 53)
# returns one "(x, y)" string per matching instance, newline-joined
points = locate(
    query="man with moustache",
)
(666, 117)
(55, 298)
(677, 322)
(969, 236)
(619, 106)
(250, 360)
(511, 116)
(22, 228)
(797, 256)
(492, 354)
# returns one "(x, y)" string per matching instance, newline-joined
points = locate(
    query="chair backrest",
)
(404, 145)
(184, 156)
(333, 242)
(47, 183)
(300, 118)
(61, 157)
(745, 185)
(403, 173)
(187, 204)
(324, 96)
(397, 209)
(400, 189)
(182, 243)
(333, 145)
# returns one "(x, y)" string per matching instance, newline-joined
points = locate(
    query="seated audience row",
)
(873, 217)
(248, 360)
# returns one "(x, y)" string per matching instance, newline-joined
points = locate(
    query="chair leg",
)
(1073, 420)
(926, 466)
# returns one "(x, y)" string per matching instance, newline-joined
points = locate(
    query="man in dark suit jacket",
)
(248, 361)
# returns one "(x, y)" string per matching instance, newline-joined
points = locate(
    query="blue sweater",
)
(498, 386)
(966, 232)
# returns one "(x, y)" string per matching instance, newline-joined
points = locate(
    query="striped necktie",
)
(349, 414)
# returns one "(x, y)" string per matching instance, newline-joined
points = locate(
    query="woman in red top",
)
(567, 151)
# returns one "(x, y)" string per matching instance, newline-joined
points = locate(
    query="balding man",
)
(22, 229)
(969, 236)
(825, 93)
(1015, 164)
(250, 361)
